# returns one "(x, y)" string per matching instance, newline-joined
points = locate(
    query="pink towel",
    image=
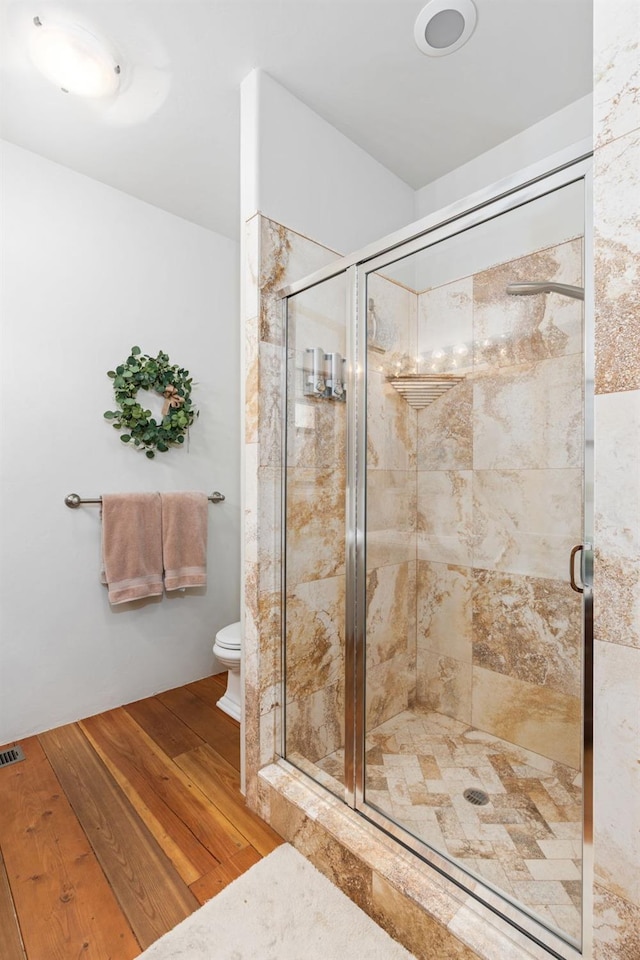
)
(132, 545)
(185, 520)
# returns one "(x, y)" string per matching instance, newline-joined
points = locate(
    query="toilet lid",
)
(230, 637)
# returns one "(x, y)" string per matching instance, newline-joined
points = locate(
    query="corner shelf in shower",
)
(421, 389)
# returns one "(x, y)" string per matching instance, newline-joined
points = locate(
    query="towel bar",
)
(74, 499)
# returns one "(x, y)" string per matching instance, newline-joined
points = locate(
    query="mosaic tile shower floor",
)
(526, 841)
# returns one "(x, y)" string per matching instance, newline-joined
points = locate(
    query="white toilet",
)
(228, 650)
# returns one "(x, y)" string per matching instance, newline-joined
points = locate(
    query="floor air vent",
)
(477, 797)
(12, 755)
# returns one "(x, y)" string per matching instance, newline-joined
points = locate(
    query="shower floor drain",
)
(12, 755)
(477, 797)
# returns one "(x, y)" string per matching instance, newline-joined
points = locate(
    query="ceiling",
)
(172, 138)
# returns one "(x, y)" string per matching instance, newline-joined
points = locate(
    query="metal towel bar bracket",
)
(74, 500)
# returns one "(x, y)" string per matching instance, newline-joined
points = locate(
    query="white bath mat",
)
(280, 909)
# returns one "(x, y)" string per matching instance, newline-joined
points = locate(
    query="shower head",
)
(532, 287)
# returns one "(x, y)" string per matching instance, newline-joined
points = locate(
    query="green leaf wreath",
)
(140, 371)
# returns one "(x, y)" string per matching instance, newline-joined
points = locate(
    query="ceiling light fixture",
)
(444, 26)
(73, 59)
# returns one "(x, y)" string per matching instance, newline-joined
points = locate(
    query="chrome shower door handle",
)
(572, 562)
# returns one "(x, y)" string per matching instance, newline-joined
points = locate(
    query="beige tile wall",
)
(391, 505)
(617, 494)
(273, 257)
(315, 525)
(499, 505)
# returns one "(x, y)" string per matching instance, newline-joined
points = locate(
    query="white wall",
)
(569, 125)
(88, 272)
(547, 222)
(300, 171)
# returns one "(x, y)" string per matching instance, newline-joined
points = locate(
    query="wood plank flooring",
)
(114, 829)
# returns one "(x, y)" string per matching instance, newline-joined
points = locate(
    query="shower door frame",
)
(515, 914)
(569, 166)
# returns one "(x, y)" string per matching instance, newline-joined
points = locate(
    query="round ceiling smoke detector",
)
(443, 26)
(73, 59)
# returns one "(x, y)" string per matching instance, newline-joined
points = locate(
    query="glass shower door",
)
(474, 500)
(314, 522)
(437, 518)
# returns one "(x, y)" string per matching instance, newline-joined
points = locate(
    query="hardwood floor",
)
(116, 828)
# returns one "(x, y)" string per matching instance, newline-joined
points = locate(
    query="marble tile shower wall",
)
(391, 506)
(315, 518)
(499, 498)
(617, 492)
(273, 257)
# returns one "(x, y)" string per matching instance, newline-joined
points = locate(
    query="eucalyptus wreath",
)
(142, 372)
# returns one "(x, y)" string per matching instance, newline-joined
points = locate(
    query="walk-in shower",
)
(436, 658)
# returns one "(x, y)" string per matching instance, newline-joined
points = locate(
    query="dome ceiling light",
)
(73, 59)
(443, 26)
